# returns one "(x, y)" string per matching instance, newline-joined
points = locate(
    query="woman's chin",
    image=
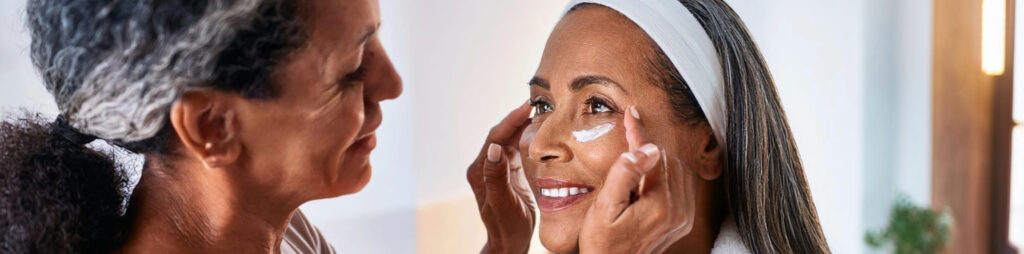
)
(364, 179)
(560, 237)
(351, 180)
(354, 174)
(360, 181)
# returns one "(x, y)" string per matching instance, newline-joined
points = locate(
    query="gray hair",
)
(115, 68)
(765, 186)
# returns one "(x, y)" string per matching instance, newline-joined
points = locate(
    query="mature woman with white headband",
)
(656, 128)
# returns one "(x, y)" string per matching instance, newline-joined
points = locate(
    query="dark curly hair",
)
(58, 195)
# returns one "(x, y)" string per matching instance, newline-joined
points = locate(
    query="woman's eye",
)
(352, 78)
(597, 106)
(541, 107)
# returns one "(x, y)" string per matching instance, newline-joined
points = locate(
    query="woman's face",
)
(314, 139)
(593, 68)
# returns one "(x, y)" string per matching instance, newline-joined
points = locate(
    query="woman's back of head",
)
(114, 69)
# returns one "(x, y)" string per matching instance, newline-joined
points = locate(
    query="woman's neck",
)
(199, 210)
(711, 211)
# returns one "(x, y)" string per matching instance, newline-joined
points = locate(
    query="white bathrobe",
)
(729, 240)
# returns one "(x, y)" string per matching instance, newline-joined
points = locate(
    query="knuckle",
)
(660, 216)
(628, 168)
(493, 131)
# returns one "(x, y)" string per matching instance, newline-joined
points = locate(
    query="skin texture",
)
(598, 41)
(240, 167)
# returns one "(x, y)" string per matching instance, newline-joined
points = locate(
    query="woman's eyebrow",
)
(542, 83)
(583, 81)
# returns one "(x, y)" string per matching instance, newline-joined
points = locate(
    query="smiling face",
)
(595, 65)
(314, 138)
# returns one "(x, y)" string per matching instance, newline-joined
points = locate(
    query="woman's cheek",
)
(599, 154)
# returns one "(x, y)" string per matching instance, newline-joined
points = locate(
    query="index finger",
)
(636, 134)
(502, 134)
(512, 124)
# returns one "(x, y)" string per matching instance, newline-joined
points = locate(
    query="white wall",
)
(22, 87)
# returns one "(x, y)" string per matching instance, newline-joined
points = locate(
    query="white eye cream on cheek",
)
(588, 135)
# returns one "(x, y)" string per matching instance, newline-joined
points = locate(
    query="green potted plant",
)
(912, 229)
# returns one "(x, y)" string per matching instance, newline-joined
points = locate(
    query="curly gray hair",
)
(116, 67)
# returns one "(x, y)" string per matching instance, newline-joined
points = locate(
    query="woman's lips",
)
(364, 144)
(556, 195)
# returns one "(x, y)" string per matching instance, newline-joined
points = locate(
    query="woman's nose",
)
(549, 146)
(382, 80)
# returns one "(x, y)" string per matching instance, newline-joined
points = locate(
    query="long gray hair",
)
(765, 186)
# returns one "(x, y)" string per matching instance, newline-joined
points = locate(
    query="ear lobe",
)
(205, 123)
(711, 158)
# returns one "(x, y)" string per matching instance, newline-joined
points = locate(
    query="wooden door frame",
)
(972, 125)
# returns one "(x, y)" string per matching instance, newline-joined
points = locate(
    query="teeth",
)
(563, 192)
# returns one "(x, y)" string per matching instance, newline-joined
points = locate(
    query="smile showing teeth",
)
(563, 192)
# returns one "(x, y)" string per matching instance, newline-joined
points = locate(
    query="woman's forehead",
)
(595, 41)
(341, 24)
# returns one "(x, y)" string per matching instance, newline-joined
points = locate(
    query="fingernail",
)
(494, 153)
(649, 149)
(629, 156)
(636, 114)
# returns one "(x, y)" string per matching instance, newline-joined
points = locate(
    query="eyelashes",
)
(594, 105)
(541, 106)
(598, 105)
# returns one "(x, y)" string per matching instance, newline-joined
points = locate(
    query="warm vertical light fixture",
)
(993, 37)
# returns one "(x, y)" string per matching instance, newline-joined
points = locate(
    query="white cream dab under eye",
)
(587, 135)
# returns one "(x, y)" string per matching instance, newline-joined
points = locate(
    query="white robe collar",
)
(729, 240)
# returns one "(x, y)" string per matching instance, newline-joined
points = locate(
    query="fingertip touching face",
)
(313, 139)
(595, 65)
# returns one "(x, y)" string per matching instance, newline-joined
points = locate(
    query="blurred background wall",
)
(854, 77)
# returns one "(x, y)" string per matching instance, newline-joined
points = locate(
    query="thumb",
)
(496, 174)
(623, 177)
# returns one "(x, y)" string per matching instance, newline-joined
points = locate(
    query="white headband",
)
(686, 44)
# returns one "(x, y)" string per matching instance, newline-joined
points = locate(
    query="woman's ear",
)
(205, 123)
(711, 157)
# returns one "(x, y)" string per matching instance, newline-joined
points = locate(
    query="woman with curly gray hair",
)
(243, 109)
